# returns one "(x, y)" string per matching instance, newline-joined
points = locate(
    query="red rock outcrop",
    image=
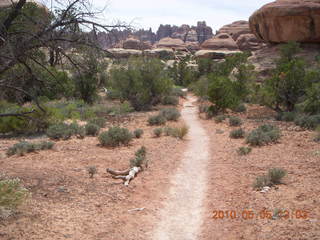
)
(236, 29)
(173, 43)
(249, 42)
(287, 20)
(220, 41)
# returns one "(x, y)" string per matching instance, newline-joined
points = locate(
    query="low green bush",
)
(308, 122)
(286, 116)
(138, 133)
(237, 133)
(220, 118)
(140, 158)
(157, 120)
(177, 91)
(170, 100)
(77, 130)
(171, 114)
(244, 150)
(59, 131)
(92, 170)
(262, 181)
(179, 132)
(115, 136)
(12, 194)
(276, 174)
(92, 129)
(167, 131)
(235, 121)
(101, 122)
(263, 135)
(240, 108)
(24, 147)
(157, 132)
(203, 108)
(317, 135)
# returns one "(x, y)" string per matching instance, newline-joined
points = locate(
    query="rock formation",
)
(171, 43)
(249, 42)
(220, 41)
(287, 20)
(204, 32)
(236, 29)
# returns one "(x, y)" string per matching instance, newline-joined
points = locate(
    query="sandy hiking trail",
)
(182, 214)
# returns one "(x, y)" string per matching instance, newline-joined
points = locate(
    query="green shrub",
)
(220, 118)
(263, 135)
(235, 121)
(238, 133)
(167, 131)
(77, 130)
(141, 81)
(140, 158)
(177, 91)
(262, 181)
(308, 122)
(157, 132)
(24, 147)
(203, 108)
(115, 136)
(59, 131)
(92, 129)
(171, 114)
(12, 194)
(101, 122)
(276, 174)
(157, 120)
(138, 133)
(170, 100)
(244, 150)
(286, 116)
(240, 108)
(179, 132)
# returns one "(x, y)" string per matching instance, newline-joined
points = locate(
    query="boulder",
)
(124, 53)
(236, 29)
(171, 43)
(192, 46)
(249, 42)
(215, 54)
(131, 43)
(220, 41)
(287, 20)
(163, 53)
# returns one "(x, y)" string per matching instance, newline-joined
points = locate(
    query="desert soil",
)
(182, 215)
(185, 182)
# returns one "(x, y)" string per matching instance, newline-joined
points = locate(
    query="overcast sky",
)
(152, 13)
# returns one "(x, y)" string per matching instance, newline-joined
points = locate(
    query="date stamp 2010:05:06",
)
(263, 214)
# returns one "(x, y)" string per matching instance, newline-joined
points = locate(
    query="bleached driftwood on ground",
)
(126, 175)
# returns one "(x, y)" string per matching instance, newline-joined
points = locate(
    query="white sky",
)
(151, 13)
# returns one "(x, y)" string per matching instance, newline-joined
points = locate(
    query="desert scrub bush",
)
(157, 120)
(59, 131)
(220, 118)
(101, 122)
(203, 108)
(235, 121)
(24, 147)
(77, 130)
(237, 133)
(276, 174)
(12, 194)
(171, 114)
(286, 116)
(178, 92)
(262, 181)
(308, 122)
(157, 132)
(92, 170)
(115, 136)
(167, 131)
(240, 108)
(263, 135)
(170, 100)
(138, 133)
(140, 158)
(92, 129)
(244, 150)
(179, 132)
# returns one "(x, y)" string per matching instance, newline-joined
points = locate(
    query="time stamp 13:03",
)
(263, 214)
